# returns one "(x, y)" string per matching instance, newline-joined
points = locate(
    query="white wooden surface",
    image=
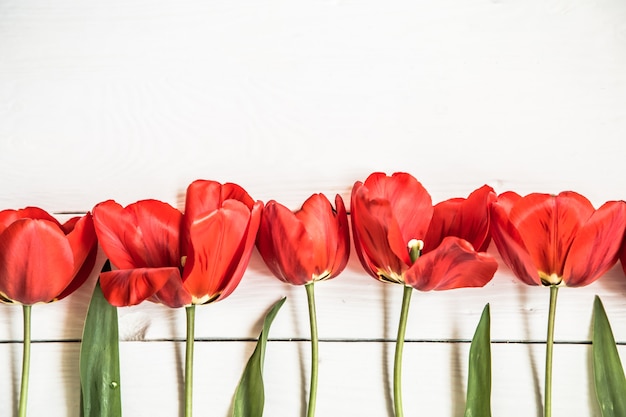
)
(135, 99)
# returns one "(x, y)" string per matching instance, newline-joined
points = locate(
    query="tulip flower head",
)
(557, 239)
(178, 259)
(393, 216)
(309, 245)
(42, 260)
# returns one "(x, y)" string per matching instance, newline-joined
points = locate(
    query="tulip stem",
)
(397, 365)
(310, 295)
(191, 319)
(547, 406)
(25, 362)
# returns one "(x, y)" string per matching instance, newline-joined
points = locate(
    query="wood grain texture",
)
(354, 378)
(134, 99)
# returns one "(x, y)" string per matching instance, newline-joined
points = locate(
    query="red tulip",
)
(142, 241)
(389, 212)
(303, 247)
(42, 260)
(557, 240)
(220, 223)
(309, 245)
(178, 259)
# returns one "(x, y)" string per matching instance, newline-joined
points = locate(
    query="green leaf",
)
(479, 374)
(99, 359)
(608, 373)
(250, 395)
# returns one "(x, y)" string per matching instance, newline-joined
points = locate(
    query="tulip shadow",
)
(14, 357)
(387, 347)
(293, 292)
(179, 347)
(523, 297)
(458, 388)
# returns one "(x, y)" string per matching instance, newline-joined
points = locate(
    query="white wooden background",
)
(134, 99)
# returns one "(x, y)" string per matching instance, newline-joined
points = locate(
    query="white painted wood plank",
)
(354, 378)
(133, 100)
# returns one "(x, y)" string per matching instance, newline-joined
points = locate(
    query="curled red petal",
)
(454, 264)
(129, 287)
(36, 261)
(173, 294)
(144, 234)
(595, 248)
(466, 218)
(510, 245)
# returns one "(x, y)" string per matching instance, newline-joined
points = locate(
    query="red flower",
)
(553, 240)
(220, 224)
(42, 260)
(175, 259)
(142, 241)
(390, 213)
(309, 245)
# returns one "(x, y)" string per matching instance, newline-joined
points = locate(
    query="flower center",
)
(549, 280)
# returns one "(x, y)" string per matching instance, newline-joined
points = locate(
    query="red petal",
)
(9, 216)
(283, 243)
(245, 251)
(510, 244)
(204, 197)
(36, 261)
(467, 219)
(371, 224)
(342, 248)
(548, 226)
(173, 294)
(454, 264)
(595, 247)
(217, 248)
(131, 286)
(81, 235)
(142, 235)
(410, 203)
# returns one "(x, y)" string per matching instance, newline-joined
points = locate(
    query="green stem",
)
(397, 364)
(310, 295)
(547, 406)
(415, 251)
(191, 319)
(25, 362)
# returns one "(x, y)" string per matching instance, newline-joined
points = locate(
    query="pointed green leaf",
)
(479, 373)
(99, 359)
(608, 373)
(250, 395)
